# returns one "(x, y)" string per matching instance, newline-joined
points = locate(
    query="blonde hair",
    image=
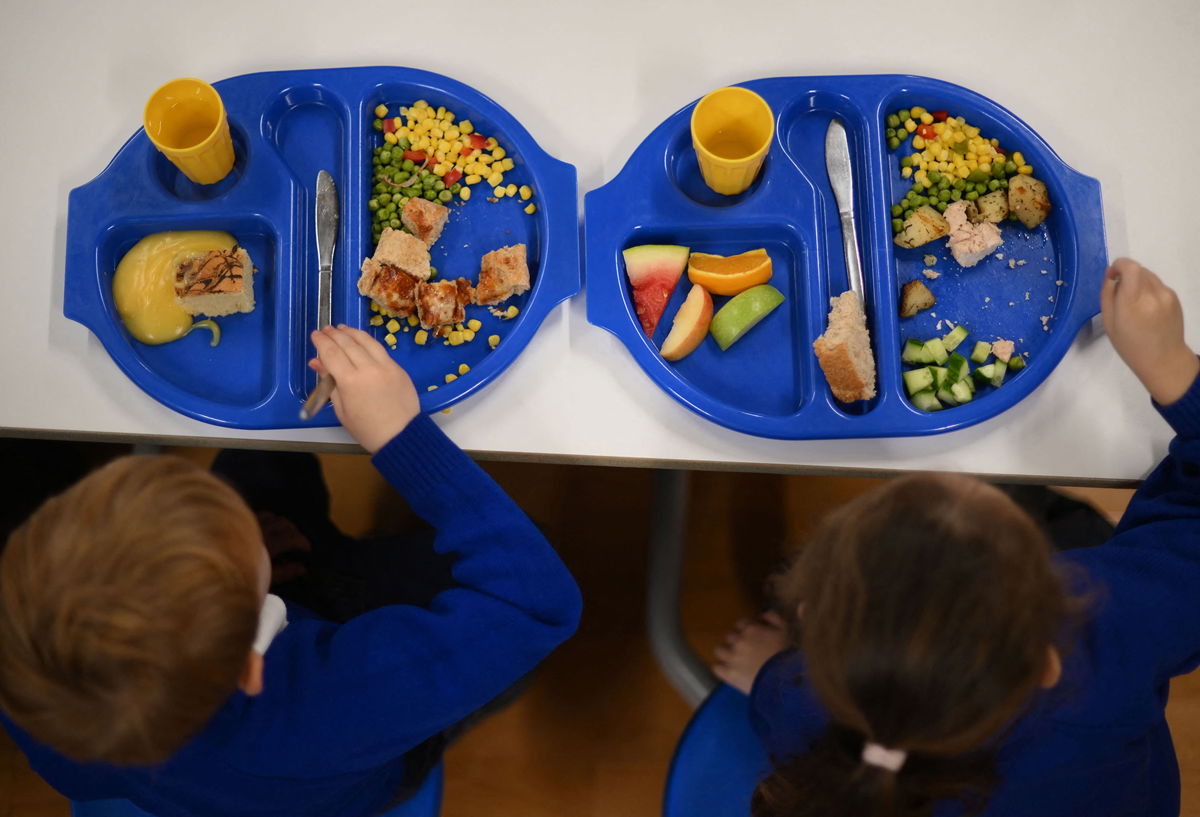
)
(128, 606)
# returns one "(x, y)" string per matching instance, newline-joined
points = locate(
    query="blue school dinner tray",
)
(286, 126)
(1038, 291)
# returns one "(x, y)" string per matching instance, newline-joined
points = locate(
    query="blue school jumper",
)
(1097, 745)
(342, 704)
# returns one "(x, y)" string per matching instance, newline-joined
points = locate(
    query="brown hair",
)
(128, 606)
(929, 608)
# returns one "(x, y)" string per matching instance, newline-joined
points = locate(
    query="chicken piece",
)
(424, 219)
(389, 286)
(1003, 350)
(403, 251)
(502, 274)
(970, 243)
(441, 303)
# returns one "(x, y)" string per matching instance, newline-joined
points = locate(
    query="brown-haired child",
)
(135, 624)
(938, 658)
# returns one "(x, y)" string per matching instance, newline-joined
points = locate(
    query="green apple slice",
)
(742, 313)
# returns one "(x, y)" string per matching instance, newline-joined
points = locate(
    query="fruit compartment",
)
(763, 373)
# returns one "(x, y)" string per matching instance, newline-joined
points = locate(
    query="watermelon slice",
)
(653, 271)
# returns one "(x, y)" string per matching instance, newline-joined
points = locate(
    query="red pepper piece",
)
(1000, 150)
(452, 176)
(940, 116)
(926, 132)
(389, 125)
(415, 155)
(476, 141)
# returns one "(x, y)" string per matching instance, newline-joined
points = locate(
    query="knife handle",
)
(318, 398)
(854, 275)
(325, 297)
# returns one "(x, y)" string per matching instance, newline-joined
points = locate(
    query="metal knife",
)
(327, 227)
(837, 164)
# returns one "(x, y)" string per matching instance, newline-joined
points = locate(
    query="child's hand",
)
(373, 397)
(749, 645)
(1144, 320)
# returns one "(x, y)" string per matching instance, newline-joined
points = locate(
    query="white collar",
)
(272, 618)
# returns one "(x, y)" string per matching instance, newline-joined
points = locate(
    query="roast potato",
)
(923, 226)
(1027, 197)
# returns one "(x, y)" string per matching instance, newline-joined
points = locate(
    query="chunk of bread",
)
(403, 251)
(915, 296)
(215, 283)
(844, 351)
(424, 219)
(390, 287)
(502, 274)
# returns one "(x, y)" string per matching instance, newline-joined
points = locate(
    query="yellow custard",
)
(144, 284)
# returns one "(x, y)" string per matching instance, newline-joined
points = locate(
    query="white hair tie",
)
(875, 754)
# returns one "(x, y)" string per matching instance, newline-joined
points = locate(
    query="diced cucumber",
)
(918, 380)
(940, 373)
(945, 397)
(937, 350)
(913, 352)
(1016, 363)
(926, 401)
(962, 391)
(957, 368)
(984, 373)
(955, 336)
(970, 381)
(981, 351)
(998, 373)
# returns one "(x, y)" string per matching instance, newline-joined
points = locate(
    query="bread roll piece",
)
(844, 351)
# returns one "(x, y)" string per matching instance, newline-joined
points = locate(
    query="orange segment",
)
(729, 274)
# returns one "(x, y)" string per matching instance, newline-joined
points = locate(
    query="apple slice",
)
(742, 313)
(690, 324)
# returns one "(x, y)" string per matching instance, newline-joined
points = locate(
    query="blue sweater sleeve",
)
(364, 692)
(1151, 567)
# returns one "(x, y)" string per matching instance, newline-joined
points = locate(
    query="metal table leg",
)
(683, 668)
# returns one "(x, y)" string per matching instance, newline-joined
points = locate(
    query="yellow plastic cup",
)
(185, 119)
(731, 132)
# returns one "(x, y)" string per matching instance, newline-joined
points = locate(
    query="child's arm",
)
(384, 681)
(1152, 563)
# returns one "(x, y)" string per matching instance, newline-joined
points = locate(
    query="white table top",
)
(1110, 85)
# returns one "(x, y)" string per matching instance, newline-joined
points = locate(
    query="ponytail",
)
(832, 780)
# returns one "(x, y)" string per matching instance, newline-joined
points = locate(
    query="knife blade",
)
(837, 164)
(326, 216)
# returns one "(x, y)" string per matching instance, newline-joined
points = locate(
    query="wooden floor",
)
(594, 734)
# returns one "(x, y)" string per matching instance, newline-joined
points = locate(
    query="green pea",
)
(902, 114)
(439, 185)
(934, 176)
(897, 225)
(380, 188)
(375, 161)
(955, 195)
(394, 224)
(960, 185)
(893, 143)
(403, 143)
(944, 195)
(994, 184)
(455, 188)
(908, 211)
(889, 133)
(897, 210)
(385, 198)
(917, 187)
(377, 124)
(971, 196)
(408, 164)
(1010, 167)
(445, 196)
(403, 176)
(977, 176)
(386, 157)
(941, 206)
(373, 205)
(430, 195)
(905, 161)
(920, 201)
(892, 120)
(1004, 184)
(981, 188)
(997, 170)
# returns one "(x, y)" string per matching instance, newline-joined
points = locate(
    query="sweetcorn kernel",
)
(473, 178)
(376, 320)
(498, 192)
(463, 368)
(390, 138)
(456, 338)
(474, 325)
(421, 337)
(511, 312)
(374, 306)
(531, 208)
(507, 163)
(389, 339)
(465, 127)
(412, 320)
(468, 336)
(495, 179)
(493, 341)
(450, 378)
(510, 189)
(431, 388)
(380, 111)
(498, 153)
(526, 191)
(393, 325)
(465, 194)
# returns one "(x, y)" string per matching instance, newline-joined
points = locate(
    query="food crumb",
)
(1000, 255)
(1012, 264)
(1022, 263)
(933, 314)
(1058, 283)
(1012, 303)
(987, 299)
(930, 274)
(1027, 296)
(1044, 272)
(1050, 299)
(930, 260)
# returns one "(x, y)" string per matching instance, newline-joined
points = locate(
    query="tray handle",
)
(558, 195)
(1087, 211)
